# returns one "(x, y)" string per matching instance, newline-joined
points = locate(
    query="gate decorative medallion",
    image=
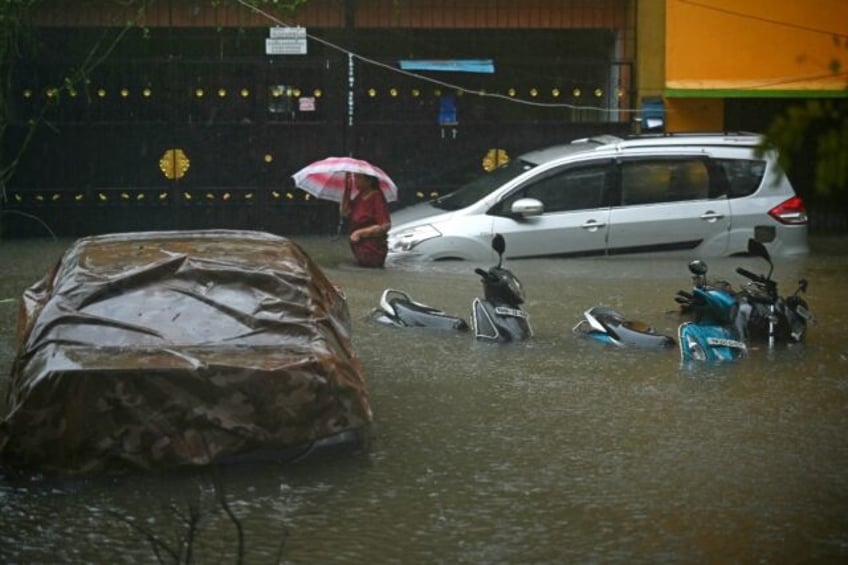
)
(494, 159)
(174, 164)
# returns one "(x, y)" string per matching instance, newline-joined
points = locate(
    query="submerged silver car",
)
(689, 194)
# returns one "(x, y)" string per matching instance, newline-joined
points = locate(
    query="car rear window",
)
(652, 181)
(743, 176)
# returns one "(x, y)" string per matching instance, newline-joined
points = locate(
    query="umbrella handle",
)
(340, 228)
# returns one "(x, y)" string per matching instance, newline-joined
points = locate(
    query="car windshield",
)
(482, 185)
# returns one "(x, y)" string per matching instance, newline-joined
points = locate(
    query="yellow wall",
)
(756, 44)
(650, 47)
(719, 49)
(694, 114)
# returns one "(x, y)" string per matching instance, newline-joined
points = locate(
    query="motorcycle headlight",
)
(407, 240)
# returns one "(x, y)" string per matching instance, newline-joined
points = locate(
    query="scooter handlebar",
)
(753, 276)
(486, 276)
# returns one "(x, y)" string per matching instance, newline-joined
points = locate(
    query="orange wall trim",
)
(735, 93)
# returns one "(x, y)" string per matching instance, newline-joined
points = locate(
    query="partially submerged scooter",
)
(398, 309)
(610, 326)
(497, 317)
(714, 333)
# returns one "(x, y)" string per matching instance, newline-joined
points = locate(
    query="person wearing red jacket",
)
(369, 220)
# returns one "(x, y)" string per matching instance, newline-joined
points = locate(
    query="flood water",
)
(556, 450)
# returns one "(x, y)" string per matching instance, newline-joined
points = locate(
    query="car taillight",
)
(790, 212)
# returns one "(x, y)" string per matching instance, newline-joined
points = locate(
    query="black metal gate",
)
(200, 129)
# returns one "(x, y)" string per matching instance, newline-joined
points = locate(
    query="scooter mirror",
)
(757, 249)
(698, 267)
(498, 244)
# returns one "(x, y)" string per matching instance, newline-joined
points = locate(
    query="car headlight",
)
(406, 240)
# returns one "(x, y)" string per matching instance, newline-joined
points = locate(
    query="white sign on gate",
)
(286, 41)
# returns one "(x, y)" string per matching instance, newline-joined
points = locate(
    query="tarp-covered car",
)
(157, 350)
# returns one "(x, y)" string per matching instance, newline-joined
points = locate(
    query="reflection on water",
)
(553, 450)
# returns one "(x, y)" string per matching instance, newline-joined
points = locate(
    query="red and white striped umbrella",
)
(325, 179)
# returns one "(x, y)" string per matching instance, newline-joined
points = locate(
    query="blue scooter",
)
(714, 334)
(609, 326)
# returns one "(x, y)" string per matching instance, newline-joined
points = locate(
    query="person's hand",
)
(355, 236)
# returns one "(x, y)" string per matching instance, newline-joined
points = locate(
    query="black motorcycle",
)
(498, 316)
(767, 316)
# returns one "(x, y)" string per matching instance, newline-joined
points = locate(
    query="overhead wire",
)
(805, 78)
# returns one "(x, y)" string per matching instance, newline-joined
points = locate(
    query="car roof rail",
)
(728, 138)
(602, 139)
(683, 134)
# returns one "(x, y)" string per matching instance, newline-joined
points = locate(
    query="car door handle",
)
(592, 225)
(711, 216)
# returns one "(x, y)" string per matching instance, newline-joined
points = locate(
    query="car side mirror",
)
(527, 208)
